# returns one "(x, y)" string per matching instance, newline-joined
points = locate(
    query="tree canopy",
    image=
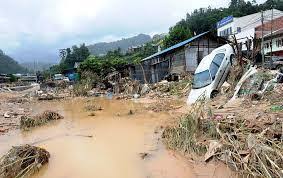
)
(205, 19)
(72, 55)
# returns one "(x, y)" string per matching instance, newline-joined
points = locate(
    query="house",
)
(276, 36)
(244, 27)
(180, 58)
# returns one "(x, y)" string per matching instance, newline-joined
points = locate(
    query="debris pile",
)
(48, 96)
(23, 161)
(254, 83)
(92, 107)
(167, 89)
(253, 148)
(165, 105)
(127, 86)
(27, 122)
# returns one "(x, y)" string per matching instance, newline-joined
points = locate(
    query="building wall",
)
(159, 71)
(183, 59)
(178, 63)
(138, 72)
(277, 24)
(277, 45)
(252, 21)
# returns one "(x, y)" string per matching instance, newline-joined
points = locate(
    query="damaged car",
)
(211, 73)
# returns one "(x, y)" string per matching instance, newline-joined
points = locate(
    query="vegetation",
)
(205, 19)
(184, 137)
(9, 66)
(115, 60)
(70, 56)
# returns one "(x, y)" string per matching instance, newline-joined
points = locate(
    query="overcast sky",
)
(38, 28)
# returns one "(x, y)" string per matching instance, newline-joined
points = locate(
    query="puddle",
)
(106, 145)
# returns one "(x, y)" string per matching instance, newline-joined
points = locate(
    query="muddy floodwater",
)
(115, 143)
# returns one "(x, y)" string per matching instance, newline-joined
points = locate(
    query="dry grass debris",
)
(22, 161)
(27, 122)
(92, 107)
(253, 149)
(165, 105)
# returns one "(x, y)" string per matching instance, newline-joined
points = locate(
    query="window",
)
(218, 58)
(238, 29)
(216, 63)
(226, 32)
(201, 79)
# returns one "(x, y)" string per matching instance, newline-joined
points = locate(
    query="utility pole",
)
(262, 40)
(271, 34)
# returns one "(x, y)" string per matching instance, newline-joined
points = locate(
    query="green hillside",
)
(9, 66)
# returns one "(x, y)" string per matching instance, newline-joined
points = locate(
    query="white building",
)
(244, 27)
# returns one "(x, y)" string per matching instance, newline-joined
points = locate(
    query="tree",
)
(72, 55)
(205, 19)
(178, 33)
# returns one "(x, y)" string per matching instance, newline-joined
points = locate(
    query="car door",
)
(216, 69)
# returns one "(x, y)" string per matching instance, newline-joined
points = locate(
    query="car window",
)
(213, 70)
(201, 79)
(218, 58)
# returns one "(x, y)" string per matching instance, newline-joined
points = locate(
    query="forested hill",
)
(102, 48)
(9, 66)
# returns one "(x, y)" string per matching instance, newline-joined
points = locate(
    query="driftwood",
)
(22, 161)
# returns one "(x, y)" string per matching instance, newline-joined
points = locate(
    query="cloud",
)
(28, 25)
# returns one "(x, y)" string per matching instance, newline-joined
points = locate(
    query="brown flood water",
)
(114, 150)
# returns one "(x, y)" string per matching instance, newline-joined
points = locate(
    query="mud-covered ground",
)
(101, 137)
(123, 139)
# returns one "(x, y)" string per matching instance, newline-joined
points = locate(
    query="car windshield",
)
(201, 79)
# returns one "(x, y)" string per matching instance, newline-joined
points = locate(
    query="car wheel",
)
(279, 67)
(214, 94)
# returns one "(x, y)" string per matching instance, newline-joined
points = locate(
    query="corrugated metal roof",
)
(175, 46)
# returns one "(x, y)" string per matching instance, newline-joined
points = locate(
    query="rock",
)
(225, 87)
(136, 96)
(145, 89)
(214, 146)
(131, 112)
(7, 115)
(144, 155)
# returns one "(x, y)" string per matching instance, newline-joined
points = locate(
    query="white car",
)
(211, 73)
(58, 77)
